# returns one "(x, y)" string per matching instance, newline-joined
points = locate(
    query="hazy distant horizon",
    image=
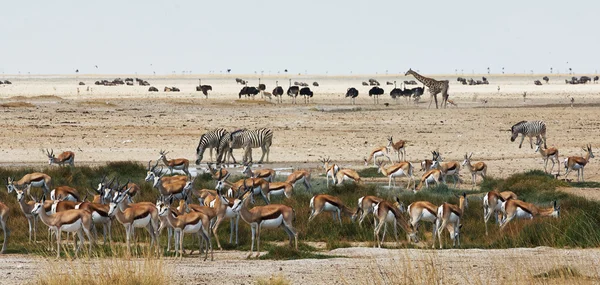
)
(313, 37)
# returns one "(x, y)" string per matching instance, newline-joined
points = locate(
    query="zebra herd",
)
(225, 142)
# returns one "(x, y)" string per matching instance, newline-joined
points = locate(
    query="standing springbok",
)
(347, 174)
(300, 176)
(450, 168)
(192, 222)
(431, 176)
(218, 174)
(175, 164)
(258, 185)
(279, 188)
(3, 219)
(380, 151)
(548, 153)
(330, 170)
(398, 147)
(492, 204)
(422, 211)
(578, 162)
(36, 179)
(427, 163)
(266, 174)
(327, 203)
(68, 221)
(514, 208)
(399, 169)
(65, 192)
(386, 212)
(66, 157)
(477, 168)
(99, 216)
(27, 207)
(365, 207)
(269, 216)
(448, 217)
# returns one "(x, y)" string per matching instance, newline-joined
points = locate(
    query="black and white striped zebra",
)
(262, 138)
(209, 140)
(225, 148)
(529, 129)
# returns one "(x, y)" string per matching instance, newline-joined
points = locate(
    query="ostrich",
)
(417, 92)
(365, 83)
(396, 92)
(239, 80)
(316, 84)
(307, 93)
(203, 88)
(175, 89)
(352, 93)
(546, 79)
(375, 92)
(278, 92)
(596, 79)
(373, 82)
(261, 88)
(152, 89)
(537, 82)
(293, 92)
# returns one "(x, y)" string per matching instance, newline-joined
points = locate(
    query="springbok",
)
(192, 222)
(66, 157)
(269, 216)
(279, 188)
(431, 176)
(327, 203)
(175, 164)
(384, 213)
(399, 169)
(477, 168)
(68, 221)
(514, 208)
(258, 185)
(427, 163)
(3, 219)
(266, 174)
(299, 176)
(347, 174)
(548, 153)
(448, 217)
(36, 179)
(422, 211)
(450, 168)
(65, 192)
(578, 162)
(492, 205)
(27, 208)
(173, 185)
(330, 170)
(100, 215)
(380, 151)
(220, 174)
(399, 147)
(365, 207)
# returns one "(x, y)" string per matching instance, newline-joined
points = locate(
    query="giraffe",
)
(435, 87)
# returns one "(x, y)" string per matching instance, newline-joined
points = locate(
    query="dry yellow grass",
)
(17, 105)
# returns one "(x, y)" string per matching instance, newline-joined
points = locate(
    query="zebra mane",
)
(236, 132)
(519, 123)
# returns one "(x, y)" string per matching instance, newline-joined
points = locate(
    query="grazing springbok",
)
(66, 157)
(380, 151)
(218, 174)
(431, 176)
(78, 221)
(266, 174)
(578, 162)
(3, 220)
(448, 217)
(192, 222)
(327, 203)
(492, 204)
(279, 188)
(386, 212)
(175, 164)
(475, 169)
(514, 208)
(365, 207)
(347, 174)
(258, 185)
(398, 147)
(269, 216)
(548, 153)
(330, 170)
(422, 211)
(302, 176)
(399, 169)
(36, 179)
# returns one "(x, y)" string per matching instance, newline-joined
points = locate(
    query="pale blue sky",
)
(314, 36)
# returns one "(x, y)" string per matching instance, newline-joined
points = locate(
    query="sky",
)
(313, 37)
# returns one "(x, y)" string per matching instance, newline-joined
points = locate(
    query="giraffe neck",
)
(425, 80)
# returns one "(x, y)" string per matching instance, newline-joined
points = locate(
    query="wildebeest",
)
(153, 89)
(537, 82)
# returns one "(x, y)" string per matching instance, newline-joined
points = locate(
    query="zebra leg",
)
(264, 151)
(522, 139)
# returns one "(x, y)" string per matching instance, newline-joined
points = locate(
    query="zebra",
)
(209, 140)
(530, 129)
(225, 148)
(262, 138)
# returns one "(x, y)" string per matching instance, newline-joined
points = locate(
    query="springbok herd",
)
(176, 211)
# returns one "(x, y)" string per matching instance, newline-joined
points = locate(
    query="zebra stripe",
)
(209, 140)
(262, 138)
(529, 129)
(228, 143)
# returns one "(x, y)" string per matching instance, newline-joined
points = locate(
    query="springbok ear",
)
(460, 226)
(464, 194)
(398, 200)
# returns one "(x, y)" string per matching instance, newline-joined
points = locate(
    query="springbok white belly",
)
(523, 214)
(430, 178)
(427, 216)
(390, 218)
(400, 172)
(453, 218)
(193, 228)
(328, 207)
(276, 192)
(71, 227)
(38, 183)
(97, 218)
(451, 172)
(140, 223)
(272, 223)
(577, 166)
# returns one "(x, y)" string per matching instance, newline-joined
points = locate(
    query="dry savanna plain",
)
(127, 123)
